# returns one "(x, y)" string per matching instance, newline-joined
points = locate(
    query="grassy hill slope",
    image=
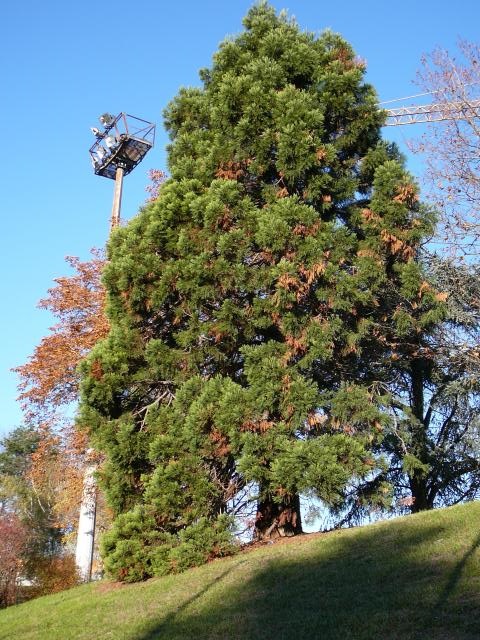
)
(412, 578)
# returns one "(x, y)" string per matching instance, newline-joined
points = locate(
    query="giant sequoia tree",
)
(256, 303)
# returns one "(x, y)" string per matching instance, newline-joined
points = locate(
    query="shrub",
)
(134, 550)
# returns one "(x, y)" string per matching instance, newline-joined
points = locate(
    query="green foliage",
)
(127, 545)
(412, 465)
(135, 549)
(255, 302)
(15, 450)
(17, 446)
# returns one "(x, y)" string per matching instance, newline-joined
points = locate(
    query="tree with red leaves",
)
(13, 541)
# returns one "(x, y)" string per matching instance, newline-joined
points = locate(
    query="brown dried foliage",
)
(282, 193)
(315, 419)
(301, 285)
(222, 445)
(304, 230)
(225, 221)
(230, 170)
(297, 345)
(396, 245)
(348, 60)
(257, 426)
(407, 194)
(370, 216)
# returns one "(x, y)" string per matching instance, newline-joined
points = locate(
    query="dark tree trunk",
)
(418, 480)
(419, 489)
(277, 519)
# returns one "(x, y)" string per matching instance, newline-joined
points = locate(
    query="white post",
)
(117, 198)
(88, 508)
(86, 525)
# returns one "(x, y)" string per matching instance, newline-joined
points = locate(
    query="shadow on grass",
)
(456, 574)
(379, 583)
(162, 628)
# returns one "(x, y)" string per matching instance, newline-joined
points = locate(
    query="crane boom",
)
(432, 113)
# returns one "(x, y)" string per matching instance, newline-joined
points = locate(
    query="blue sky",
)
(65, 63)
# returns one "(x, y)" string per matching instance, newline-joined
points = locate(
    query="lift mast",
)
(118, 148)
(123, 143)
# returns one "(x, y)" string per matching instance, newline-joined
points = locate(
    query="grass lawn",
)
(416, 577)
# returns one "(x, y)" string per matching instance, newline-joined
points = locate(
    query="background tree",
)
(48, 489)
(50, 379)
(13, 539)
(430, 381)
(434, 435)
(451, 148)
(250, 303)
(49, 385)
(437, 438)
(157, 177)
(28, 513)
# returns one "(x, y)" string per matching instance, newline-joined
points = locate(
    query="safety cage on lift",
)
(123, 143)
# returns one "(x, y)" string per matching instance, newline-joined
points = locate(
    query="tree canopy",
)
(258, 305)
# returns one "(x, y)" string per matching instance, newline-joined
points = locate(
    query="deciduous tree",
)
(50, 379)
(28, 510)
(13, 542)
(434, 437)
(451, 148)
(49, 384)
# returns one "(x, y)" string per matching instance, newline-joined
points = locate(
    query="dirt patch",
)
(300, 539)
(105, 586)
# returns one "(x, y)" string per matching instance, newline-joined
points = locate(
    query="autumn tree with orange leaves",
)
(49, 380)
(49, 387)
(46, 491)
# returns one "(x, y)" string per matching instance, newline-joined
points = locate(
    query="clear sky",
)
(65, 63)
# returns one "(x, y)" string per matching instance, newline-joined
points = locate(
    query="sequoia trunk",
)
(277, 519)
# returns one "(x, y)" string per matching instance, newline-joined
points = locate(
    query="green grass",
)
(412, 578)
